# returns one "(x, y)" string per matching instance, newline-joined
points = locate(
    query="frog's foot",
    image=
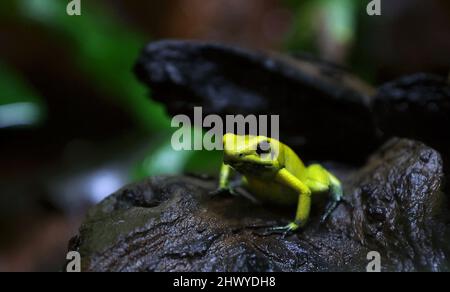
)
(330, 208)
(336, 194)
(288, 229)
(223, 192)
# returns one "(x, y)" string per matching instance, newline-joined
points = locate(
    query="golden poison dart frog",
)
(273, 173)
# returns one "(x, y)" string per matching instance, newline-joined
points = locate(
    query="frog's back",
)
(268, 190)
(293, 163)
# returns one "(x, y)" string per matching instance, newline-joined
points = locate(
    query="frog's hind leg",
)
(319, 181)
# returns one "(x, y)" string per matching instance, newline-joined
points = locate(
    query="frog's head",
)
(251, 154)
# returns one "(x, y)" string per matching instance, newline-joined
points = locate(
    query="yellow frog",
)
(273, 173)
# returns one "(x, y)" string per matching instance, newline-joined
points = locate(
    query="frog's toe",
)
(217, 193)
(222, 192)
(288, 229)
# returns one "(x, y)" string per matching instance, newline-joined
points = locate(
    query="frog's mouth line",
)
(250, 166)
(247, 162)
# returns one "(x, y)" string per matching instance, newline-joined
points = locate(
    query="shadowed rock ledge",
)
(227, 80)
(394, 205)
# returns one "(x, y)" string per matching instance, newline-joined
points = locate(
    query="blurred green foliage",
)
(105, 50)
(344, 20)
(166, 160)
(19, 104)
(340, 19)
(14, 89)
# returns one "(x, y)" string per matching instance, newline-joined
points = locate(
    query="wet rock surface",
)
(394, 205)
(416, 107)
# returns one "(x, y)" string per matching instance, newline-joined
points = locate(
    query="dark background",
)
(75, 125)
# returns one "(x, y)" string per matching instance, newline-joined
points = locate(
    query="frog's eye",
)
(263, 148)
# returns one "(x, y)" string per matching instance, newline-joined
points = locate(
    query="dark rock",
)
(324, 111)
(417, 107)
(400, 209)
(393, 206)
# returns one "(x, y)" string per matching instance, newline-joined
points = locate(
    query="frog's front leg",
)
(304, 203)
(225, 184)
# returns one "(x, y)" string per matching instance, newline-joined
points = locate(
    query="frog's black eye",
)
(263, 148)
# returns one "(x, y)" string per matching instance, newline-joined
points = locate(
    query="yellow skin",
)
(273, 173)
